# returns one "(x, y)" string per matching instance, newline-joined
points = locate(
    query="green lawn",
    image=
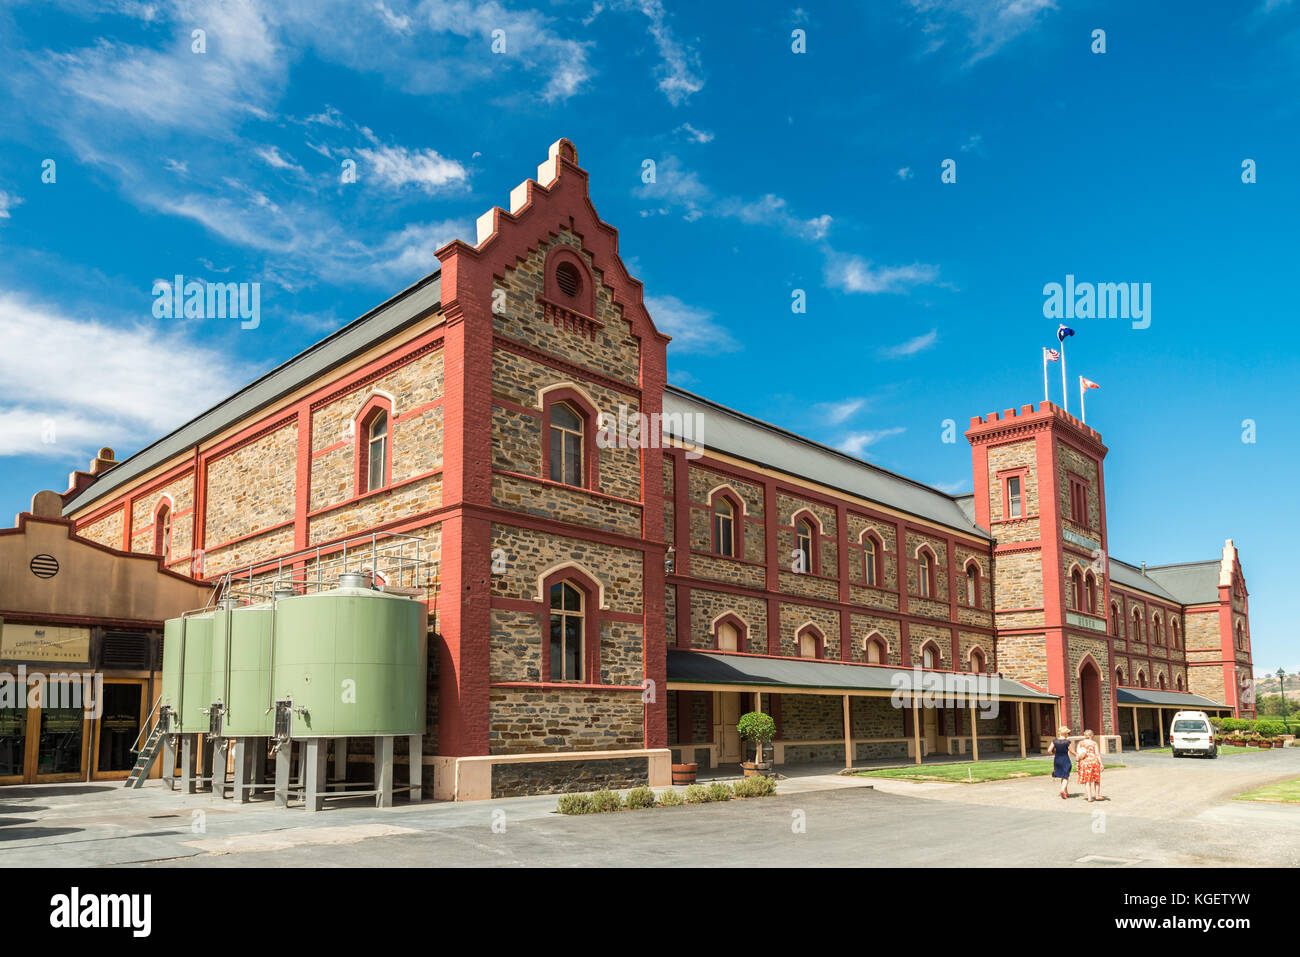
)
(1285, 792)
(1223, 749)
(971, 771)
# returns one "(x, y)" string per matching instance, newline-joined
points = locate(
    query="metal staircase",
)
(148, 754)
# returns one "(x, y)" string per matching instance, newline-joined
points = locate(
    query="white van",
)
(1192, 733)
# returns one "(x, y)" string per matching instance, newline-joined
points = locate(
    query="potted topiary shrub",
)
(759, 728)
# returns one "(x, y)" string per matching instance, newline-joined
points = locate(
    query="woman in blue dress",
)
(1063, 748)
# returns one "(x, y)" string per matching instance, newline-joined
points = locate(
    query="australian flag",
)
(1062, 332)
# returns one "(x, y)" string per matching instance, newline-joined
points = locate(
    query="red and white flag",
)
(1051, 355)
(1087, 384)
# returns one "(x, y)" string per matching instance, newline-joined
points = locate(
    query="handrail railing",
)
(135, 749)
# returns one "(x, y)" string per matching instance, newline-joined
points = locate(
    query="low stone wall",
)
(563, 777)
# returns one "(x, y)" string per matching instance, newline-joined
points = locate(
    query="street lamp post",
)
(1281, 687)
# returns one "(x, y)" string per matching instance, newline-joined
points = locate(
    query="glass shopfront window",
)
(119, 726)
(62, 730)
(13, 737)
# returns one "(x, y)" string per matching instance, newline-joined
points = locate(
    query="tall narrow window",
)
(1173, 633)
(1091, 583)
(162, 532)
(870, 555)
(977, 661)
(1136, 634)
(924, 573)
(566, 632)
(728, 637)
(809, 644)
(377, 452)
(804, 544)
(1013, 497)
(566, 445)
(973, 585)
(1114, 620)
(876, 654)
(929, 658)
(724, 528)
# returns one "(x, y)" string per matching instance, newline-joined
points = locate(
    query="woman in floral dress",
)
(1090, 767)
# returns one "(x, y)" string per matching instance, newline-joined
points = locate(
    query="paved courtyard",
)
(1160, 812)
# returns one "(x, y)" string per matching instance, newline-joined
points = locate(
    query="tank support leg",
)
(210, 764)
(316, 773)
(340, 759)
(283, 765)
(259, 760)
(243, 770)
(187, 763)
(384, 771)
(169, 763)
(415, 766)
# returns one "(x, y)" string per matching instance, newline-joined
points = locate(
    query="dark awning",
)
(1166, 699)
(759, 673)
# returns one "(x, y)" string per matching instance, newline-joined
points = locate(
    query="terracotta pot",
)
(1266, 744)
(685, 773)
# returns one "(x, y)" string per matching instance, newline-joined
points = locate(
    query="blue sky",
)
(775, 171)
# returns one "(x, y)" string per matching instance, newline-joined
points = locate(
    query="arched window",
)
(973, 584)
(1178, 682)
(1160, 682)
(870, 560)
(805, 542)
(726, 540)
(1090, 586)
(925, 572)
(1157, 630)
(567, 427)
(1142, 678)
(1076, 589)
(1136, 634)
(930, 657)
(377, 452)
(977, 661)
(1114, 619)
(162, 531)
(1241, 637)
(568, 626)
(728, 637)
(877, 652)
(1173, 633)
(810, 642)
(1119, 676)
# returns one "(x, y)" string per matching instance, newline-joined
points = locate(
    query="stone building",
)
(602, 596)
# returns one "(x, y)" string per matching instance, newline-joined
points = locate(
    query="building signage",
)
(43, 643)
(1074, 538)
(1085, 621)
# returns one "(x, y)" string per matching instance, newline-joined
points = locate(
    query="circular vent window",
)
(568, 278)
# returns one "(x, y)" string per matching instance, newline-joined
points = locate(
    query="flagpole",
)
(1065, 387)
(1083, 408)
(1044, 375)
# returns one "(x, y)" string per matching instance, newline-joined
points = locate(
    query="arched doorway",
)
(1090, 696)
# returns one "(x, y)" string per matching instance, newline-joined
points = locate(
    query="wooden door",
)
(930, 730)
(729, 712)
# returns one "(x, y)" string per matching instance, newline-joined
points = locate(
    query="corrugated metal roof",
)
(739, 435)
(1130, 576)
(384, 320)
(1193, 583)
(1166, 699)
(706, 667)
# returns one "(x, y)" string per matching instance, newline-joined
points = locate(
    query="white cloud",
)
(855, 274)
(7, 202)
(95, 384)
(273, 158)
(856, 443)
(694, 135)
(396, 166)
(988, 25)
(912, 346)
(837, 413)
(679, 71)
(692, 329)
(906, 173)
(972, 144)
